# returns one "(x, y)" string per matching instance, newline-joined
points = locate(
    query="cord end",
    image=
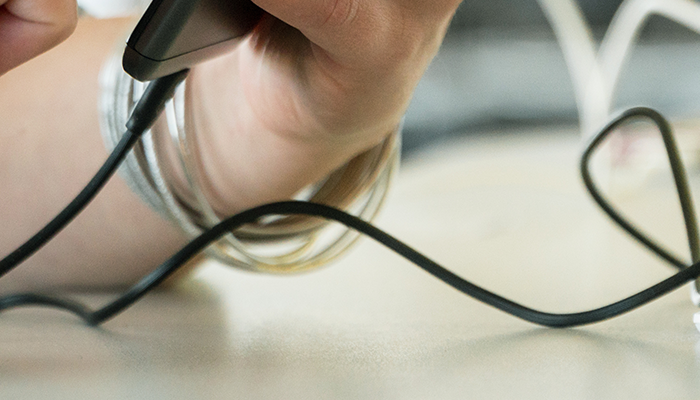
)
(153, 101)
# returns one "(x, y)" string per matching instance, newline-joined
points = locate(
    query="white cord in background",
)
(626, 25)
(579, 48)
(112, 8)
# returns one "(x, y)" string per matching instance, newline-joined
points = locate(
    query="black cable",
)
(305, 208)
(317, 210)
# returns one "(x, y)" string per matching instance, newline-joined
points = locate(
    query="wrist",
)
(166, 171)
(247, 161)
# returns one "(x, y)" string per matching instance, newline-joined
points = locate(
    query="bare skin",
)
(294, 101)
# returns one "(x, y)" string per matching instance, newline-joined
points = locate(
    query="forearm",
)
(50, 146)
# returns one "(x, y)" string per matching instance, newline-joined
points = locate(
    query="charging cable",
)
(152, 104)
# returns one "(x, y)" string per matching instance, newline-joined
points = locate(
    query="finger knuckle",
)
(341, 12)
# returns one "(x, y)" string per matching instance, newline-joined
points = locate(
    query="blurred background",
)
(501, 67)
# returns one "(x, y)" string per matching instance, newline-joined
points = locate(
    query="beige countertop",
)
(505, 211)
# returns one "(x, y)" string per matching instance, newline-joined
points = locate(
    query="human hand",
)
(30, 27)
(317, 82)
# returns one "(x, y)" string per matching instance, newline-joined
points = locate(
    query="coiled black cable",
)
(162, 91)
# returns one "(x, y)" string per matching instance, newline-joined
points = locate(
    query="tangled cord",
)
(161, 90)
